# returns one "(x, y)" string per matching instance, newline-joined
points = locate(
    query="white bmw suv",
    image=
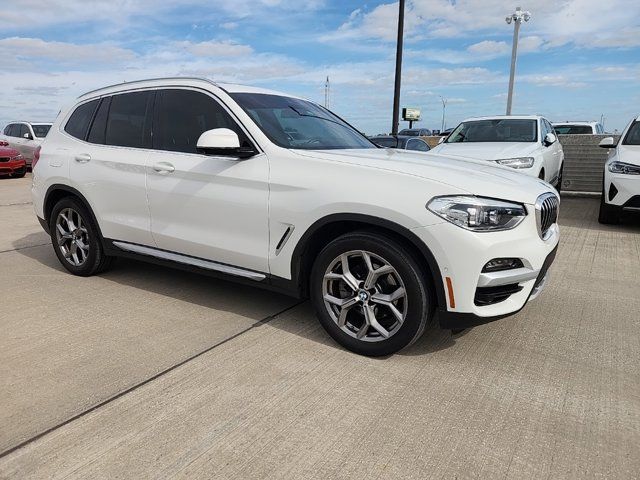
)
(526, 143)
(621, 182)
(279, 192)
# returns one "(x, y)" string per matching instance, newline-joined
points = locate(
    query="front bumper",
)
(461, 256)
(619, 189)
(455, 320)
(12, 167)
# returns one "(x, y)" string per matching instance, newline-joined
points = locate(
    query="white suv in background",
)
(578, 128)
(25, 137)
(621, 182)
(525, 143)
(279, 192)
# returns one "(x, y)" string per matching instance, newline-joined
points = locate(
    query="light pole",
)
(396, 91)
(517, 19)
(444, 106)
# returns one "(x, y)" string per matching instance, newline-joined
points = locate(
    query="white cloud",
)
(489, 47)
(214, 48)
(34, 49)
(584, 23)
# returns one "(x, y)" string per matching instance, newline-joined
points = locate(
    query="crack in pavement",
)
(25, 247)
(38, 436)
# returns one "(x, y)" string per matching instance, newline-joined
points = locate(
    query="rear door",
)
(109, 159)
(212, 207)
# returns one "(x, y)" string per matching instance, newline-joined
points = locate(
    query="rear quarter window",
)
(78, 124)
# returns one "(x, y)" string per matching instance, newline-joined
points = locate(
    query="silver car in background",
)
(25, 137)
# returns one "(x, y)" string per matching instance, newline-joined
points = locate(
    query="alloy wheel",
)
(72, 237)
(365, 296)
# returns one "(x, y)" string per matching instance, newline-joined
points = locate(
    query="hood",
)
(487, 150)
(464, 175)
(8, 152)
(629, 154)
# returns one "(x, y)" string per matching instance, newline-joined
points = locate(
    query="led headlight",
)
(625, 168)
(520, 162)
(477, 213)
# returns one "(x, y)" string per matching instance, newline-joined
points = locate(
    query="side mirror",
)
(27, 136)
(442, 139)
(223, 141)
(550, 139)
(607, 142)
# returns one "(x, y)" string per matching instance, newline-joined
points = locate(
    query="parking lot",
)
(151, 372)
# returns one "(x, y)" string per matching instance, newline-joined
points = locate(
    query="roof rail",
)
(149, 80)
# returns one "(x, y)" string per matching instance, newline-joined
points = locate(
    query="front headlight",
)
(625, 168)
(520, 162)
(478, 214)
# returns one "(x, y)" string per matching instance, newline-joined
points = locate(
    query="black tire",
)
(95, 261)
(609, 214)
(418, 307)
(558, 185)
(19, 175)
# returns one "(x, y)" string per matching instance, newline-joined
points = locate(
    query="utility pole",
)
(396, 91)
(517, 18)
(444, 106)
(327, 86)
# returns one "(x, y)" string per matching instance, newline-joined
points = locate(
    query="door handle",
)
(83, 158)
(163, 168)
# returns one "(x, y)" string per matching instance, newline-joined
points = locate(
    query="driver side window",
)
(183, 115)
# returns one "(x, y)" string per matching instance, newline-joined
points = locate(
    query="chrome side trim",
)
(196, 262)
(505, 277)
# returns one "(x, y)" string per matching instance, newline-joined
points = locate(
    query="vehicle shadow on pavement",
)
(228, 296)
(583, 213)
(195, 289)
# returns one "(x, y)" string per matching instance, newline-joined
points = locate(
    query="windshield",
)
(293, 123)
(573, 129)
(41, 130)
(498, 130)
(633, 135)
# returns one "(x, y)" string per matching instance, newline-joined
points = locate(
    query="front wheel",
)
(608, 214)
(370, 294)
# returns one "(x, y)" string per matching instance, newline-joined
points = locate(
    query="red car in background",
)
(12, 163)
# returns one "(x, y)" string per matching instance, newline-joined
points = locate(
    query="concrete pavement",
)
(553, 392)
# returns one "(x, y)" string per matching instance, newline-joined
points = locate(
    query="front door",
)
(210, 207)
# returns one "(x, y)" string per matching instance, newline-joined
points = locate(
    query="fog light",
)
(499, 264)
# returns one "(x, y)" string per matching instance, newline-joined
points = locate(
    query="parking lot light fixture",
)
(516, 18)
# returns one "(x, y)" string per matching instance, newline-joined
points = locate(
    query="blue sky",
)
(578, 59)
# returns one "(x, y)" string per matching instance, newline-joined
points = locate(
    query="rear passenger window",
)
(78, 124)
(182, 117)
(99, 126)
(129, 121)
(14, 130)
(6, 129)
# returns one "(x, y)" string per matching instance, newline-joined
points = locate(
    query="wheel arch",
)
(332, 226)
(57, 192)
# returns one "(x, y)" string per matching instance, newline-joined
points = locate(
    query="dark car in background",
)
(415, 132)
(403, 142)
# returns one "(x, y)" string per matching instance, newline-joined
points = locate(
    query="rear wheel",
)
(370, 294)
(75, 239)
